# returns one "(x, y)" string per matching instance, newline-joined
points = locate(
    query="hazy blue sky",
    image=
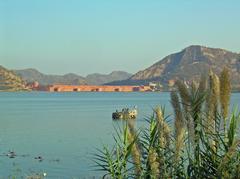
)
(60, 36)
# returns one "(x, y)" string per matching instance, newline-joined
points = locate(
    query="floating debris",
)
(37, 176)
(55, 160)
(12, 154)
(24, 155)
(39, 158)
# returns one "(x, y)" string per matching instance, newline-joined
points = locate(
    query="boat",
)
(125, 113)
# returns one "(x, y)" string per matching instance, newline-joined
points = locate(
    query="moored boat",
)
(125, 114)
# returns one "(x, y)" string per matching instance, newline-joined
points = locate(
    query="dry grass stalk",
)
(179, 125)
(194, 86)
(163, 129)
(212, 105)
(183, 91)
(153, 162)
(164, 133)
(212, 100)
(225, 92)
(135, 152)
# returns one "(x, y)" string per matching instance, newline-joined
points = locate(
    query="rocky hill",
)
(9, 81)
(189, 64)
(31, 75)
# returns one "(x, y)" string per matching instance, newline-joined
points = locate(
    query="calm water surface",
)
(64, 128)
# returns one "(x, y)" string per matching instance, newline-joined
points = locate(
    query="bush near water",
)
(203, 142)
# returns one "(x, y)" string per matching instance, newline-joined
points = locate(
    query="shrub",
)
(202, 143)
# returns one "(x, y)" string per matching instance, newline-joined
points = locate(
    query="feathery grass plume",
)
(185, 103)
(131, 126)
(153, 163)
(212, 106)
(135, 152)
(225, 92)
(194, 86)
(203, 89)
(163, 129)
(179, 125)
(184, 93)
(212, 100)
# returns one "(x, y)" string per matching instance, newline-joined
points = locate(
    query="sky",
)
(100, 36)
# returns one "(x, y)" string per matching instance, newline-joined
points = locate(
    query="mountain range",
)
(30, 75)
(188, 64)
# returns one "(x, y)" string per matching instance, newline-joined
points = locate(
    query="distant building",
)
(33, 85)
(93, 88)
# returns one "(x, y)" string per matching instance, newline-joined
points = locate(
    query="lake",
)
(64, 129)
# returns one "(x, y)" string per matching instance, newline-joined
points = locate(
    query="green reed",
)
(203, 142)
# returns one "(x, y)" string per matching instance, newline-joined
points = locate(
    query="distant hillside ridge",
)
(9, 81)
(99, 79)
(188, 64)
(31, 75)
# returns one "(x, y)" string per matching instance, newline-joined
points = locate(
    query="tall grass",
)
(203, 142)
